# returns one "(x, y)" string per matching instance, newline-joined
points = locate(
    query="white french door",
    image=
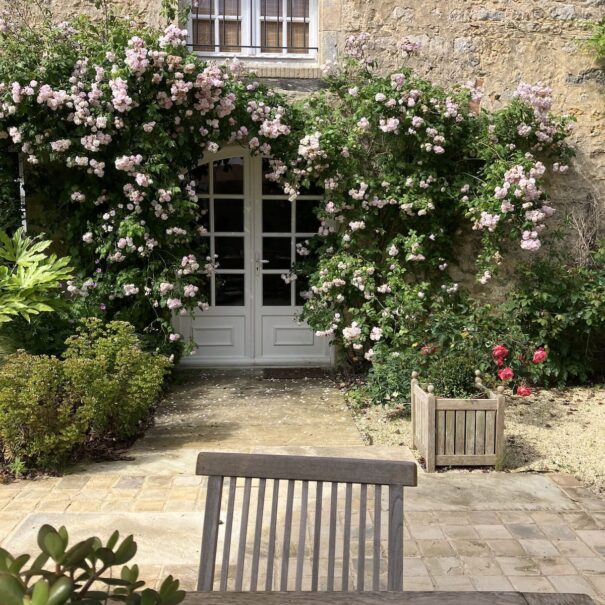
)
(255, 234)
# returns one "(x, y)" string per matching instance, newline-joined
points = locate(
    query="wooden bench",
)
(386, 598)
(268, 471)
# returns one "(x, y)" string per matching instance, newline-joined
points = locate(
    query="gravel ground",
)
(559, 431)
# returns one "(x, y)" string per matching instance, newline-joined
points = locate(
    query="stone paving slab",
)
(463, 531)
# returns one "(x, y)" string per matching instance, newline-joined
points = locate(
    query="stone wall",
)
(500, 42)
(503, 42)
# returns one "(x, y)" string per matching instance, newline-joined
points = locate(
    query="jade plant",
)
(83, 573)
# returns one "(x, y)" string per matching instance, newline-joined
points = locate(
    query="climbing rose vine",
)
(111, 121)
(412, 173)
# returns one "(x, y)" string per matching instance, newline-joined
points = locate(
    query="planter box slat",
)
(480, 432)
(460, 432)
(490, 432)
(470, 436)
(465, 460)
(457, 432)
(463, 404)
(450, 432)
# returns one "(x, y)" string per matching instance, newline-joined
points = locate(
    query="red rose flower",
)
(499, 352)
(506, 374)
(540, 355)
(428, 349)
(524, 391)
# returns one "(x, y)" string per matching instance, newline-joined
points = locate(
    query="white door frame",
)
(222, 320)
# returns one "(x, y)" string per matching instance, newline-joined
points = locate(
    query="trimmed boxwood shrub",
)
(104, 388)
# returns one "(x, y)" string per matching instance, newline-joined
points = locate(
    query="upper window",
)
(255, 28)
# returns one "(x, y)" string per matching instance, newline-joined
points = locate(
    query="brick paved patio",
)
(465, 531)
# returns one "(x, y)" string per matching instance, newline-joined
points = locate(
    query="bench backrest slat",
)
(295, 518)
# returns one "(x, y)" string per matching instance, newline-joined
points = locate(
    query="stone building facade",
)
(499, 42)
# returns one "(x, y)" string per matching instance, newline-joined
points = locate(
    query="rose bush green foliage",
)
(405, 166)
(83, 573)
(597, 41)
(10, 202)
(111, 120)
(564, 306)
(416, 177)
(103, 389)
(29, 278)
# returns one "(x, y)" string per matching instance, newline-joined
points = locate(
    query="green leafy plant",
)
(563, 308)
(453, 375)
(103, 390)
(83, 573)
(389, 378)
(29, 277)
(597, 41)
(105, 362)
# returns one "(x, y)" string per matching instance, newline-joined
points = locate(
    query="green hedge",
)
(104, 388)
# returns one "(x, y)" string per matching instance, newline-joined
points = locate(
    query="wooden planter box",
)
(457, 432)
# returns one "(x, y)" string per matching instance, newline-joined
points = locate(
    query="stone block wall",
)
(504, 42)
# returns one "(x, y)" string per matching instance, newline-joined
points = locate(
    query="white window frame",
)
(251, 9)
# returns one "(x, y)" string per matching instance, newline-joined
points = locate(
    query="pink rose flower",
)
(499, 352)
(506, 374)
(524, 391)
(540, 355)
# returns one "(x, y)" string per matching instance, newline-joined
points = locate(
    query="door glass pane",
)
(204, 219)
(306, 221)
(230, 251)
(270, 187)
(302, 285)
(313, 189)
(276, 292)
(229, 290)
(229, 176)
(229, 215)
(277, 216)
(200, 176)
(277, 251)
(304, 252)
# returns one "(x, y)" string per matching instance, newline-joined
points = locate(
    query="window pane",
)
(277, 216)
(270, 8)
(298, 37)
(202, 181)
(204, 219)
(278, 252)
(229, 215)
(299, 9)
(230, 252)
(202, 7)
(229, 176)
(270, 37)
(203, 35)
(229, 291)
(276, 292)
(231, 8)
(229, 33)
(306, 221)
